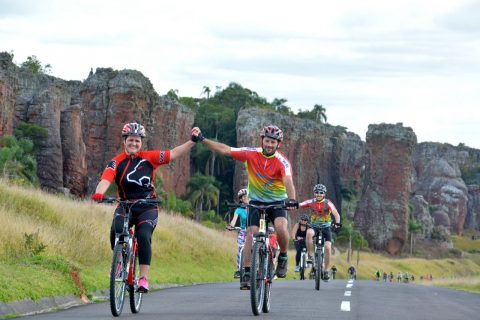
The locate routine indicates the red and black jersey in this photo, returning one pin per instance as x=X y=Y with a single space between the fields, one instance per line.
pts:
x=134 y=175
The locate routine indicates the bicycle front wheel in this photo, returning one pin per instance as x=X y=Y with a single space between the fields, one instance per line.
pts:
x=318 y=269
x=268 y=283
x=117 y=280
x=303 y=265
x=242 y=267
x=257 y=277
x=135 y=296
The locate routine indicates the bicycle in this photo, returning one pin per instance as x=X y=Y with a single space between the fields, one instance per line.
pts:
x=262 y=268
x=319 y=243
x=303 y=262
x=242 y=268
x=125 y=270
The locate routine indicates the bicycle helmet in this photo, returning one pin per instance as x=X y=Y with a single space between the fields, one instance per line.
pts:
x=305 y=217
x=273 y=132
x=271 y=230
x=319 y=188
x=133 y=129
x=242 y=192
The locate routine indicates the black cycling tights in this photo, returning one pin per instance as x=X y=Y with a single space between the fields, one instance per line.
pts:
x=299 y=245
x=144 y=237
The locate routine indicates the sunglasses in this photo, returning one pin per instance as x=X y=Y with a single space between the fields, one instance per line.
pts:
x=321 y=193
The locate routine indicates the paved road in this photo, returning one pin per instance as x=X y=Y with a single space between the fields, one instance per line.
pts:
x=337 y=299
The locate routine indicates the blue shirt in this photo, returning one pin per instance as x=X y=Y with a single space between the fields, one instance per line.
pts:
x=242 y=214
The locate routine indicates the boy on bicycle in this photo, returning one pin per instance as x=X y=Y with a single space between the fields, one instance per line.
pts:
x=322 y=209
x=270 y=181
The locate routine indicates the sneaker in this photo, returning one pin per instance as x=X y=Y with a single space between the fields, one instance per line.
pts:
x=236 y=275
x=282 y=266
x=297 y=269
x=245 y=284
x=309 y=261
x=325 y=276
x=142 y=285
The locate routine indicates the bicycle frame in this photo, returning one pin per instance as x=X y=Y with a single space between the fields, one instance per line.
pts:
x=319 y=250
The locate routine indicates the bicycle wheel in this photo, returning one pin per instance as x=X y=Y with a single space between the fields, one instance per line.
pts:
x=117 y=280
x=257 y=277
x=318 y=269
x=303 y=266
x=135 y=296
x=268 y=283
x=242 y=267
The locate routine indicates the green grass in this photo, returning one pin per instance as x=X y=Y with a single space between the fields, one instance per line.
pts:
x=66 y=235
x=465 y=243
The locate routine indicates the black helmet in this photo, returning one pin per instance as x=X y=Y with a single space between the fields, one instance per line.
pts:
x=305 y=217
x=319 y=188
x=133 y=129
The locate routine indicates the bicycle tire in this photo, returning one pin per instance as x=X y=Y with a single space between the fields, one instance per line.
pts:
x=303 y=266
x=117 y=280
x=318 y=269
x=268 y=283
x=135 y=296
x=242 y=267
x=257 y=277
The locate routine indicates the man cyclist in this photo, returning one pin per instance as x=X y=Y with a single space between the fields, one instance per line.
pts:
x=299 y=234
x=270 y=181
x=242 y=213
x=352 y=272
x=322 y=209
x=134 y=172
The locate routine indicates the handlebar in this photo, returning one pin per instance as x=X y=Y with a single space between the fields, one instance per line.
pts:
x=257 y=206
x=318 y=226
x=127 y=201
x=233 y=228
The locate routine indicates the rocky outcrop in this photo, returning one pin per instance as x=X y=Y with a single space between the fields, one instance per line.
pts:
x=421 y=213
x=439 y=180
x=382 y=213
x=84 y=121
x=472 y=221
x=318 y=153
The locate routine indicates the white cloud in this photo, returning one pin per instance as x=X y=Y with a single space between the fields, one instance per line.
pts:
x=373 y=61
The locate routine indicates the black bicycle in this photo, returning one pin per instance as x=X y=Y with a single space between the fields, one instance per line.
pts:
x=262 y=268
x=125 y=270
x=303 y=262
x=319 y=243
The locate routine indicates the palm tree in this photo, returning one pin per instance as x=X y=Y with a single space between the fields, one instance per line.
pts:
x=206 y=90
x=202 y=191
x=320 y=113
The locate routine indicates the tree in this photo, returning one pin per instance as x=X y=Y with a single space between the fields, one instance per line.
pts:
x=281 y=107
x=202 y=192
x=173 y=93
x=17 y=161
x=413 y=228
x=35 y=66
x=206 y=91
x=320 y=113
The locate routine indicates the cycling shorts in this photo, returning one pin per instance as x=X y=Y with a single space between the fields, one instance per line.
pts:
x=327 y=234
x=272 y=214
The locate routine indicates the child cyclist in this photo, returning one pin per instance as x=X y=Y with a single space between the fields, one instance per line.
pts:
x=242 y=213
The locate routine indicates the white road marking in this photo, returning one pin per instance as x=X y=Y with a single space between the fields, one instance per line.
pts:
x=350 y=281
x=345 y=306
x=349 y=285
x=348 y=293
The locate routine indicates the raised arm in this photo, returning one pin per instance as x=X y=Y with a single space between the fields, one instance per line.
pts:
x=215 y=146
x=181 y=150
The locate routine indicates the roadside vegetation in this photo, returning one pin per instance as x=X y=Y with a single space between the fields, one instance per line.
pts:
x=48 y=240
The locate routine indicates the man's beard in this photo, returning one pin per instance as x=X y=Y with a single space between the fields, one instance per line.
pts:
x=269 y=153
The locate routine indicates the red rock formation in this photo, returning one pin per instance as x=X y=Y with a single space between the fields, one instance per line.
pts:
x=382 y=213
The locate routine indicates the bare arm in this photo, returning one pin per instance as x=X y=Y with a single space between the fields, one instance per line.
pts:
x=215 y=146
x=234 y=220
x=181 y=150
x=288 y=181
x=102 y=186
x=294 y=231
x=336 y=215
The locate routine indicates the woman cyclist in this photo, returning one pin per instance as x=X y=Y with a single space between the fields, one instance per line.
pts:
x=242 y=213
x=299 y=234
x=133 y=171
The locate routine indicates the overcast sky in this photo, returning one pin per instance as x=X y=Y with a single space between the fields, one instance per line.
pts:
x=371 y=61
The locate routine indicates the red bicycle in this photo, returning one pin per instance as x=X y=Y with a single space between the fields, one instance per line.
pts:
x=125 y=271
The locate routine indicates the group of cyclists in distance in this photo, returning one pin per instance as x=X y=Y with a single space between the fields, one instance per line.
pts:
x=270 y=181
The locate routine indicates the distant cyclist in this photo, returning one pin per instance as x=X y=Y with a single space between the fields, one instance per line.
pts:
x=322 y=209
x=299 y=235
x=270 y=181
x=352 y=272
x=273 y=243
x=134 y=171
x=242 y=213
x=334 y=271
